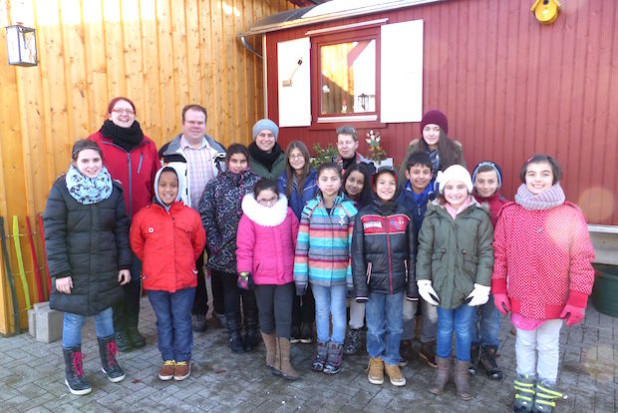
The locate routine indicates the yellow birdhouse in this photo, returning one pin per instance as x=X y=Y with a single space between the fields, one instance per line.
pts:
x=546 y=11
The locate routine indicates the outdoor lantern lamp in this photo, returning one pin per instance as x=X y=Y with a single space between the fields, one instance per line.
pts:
x=21 y=44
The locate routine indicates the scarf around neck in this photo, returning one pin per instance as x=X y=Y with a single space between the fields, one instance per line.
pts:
x=265 y=158
x=550 y=198
x=86 y=190
x=127 y=138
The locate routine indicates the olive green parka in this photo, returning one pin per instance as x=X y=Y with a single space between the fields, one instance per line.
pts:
x=455 y=254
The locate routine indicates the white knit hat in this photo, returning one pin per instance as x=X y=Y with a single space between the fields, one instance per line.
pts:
x=454 y=173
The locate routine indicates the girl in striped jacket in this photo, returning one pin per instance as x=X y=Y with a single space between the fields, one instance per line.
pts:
x=323 y=259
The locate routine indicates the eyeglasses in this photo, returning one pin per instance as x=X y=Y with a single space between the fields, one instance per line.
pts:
x=268 y=202
x=121 y=111
x=296 y=156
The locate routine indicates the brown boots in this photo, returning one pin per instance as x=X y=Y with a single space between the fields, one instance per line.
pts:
x=441 y=377
x=270 y=342
x=461 y=378
x=283 y=367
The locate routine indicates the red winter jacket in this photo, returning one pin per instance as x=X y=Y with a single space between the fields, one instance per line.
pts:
x=494 y=202
x=136 y=170
x=542 y=259
x=168 y=244
x=266 y=241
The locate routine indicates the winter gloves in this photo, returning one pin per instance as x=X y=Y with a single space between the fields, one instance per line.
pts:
x=479 y=295
x=572 y=314
x=427 y=292
x=244 y=280
x=502 y=303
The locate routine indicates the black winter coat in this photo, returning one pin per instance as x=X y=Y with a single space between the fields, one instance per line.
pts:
x=384 y=250
x=90 y=243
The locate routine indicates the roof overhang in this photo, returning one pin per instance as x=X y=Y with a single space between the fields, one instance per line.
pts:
x=332 y=10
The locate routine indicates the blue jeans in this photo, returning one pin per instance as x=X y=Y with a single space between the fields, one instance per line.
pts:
x=72 y=327
x=384 y=315
x=330 y=301
x=490 y=324
x=457 y=320
x=173 y=311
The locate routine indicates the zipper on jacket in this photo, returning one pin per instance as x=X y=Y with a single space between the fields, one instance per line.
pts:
x=130 y=186
x=141 y=158
x=388 y=247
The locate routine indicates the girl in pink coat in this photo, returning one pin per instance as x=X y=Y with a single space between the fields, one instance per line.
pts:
x=542 y=276
x=265 y=243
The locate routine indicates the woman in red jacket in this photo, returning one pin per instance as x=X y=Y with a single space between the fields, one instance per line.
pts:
x=131 y=158
x=266 y=242
x=542 y=275
x=168 y=237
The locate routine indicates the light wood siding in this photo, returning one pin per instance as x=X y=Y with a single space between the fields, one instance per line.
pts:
x=162 y=54
x=510 y=87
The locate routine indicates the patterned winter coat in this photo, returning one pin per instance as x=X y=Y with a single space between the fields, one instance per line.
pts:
x=323 y=245
x=542 y=259
x=220 y=209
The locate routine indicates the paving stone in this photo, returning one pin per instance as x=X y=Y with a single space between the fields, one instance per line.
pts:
x=33 y=378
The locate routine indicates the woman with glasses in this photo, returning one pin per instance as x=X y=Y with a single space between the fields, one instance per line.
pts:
x=299 y=184
x=131 y=158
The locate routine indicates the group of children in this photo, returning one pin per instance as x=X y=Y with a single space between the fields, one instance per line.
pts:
x=428 y=241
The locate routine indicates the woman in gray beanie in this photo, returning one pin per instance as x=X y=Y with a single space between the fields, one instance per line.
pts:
x=266 y=158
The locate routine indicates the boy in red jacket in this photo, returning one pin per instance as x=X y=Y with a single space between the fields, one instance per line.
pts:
x=487 y=180
x=167 y=236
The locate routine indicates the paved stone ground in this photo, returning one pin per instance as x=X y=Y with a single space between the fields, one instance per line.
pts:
x=31 y=378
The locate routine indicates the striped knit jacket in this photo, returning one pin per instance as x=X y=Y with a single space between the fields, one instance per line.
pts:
x=323 y=245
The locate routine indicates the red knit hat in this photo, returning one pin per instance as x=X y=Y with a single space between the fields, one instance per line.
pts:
x=435 y=117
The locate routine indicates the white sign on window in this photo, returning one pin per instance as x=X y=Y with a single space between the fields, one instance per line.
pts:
x=294 y=82
x=402 y=72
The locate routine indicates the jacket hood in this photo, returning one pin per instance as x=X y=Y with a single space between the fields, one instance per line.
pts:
x=264 y=216
x=435 y=206
x=181 y=183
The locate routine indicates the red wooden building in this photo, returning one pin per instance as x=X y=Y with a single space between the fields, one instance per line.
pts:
x=509 y=85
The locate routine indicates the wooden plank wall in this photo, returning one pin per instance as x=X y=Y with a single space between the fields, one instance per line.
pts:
x=162 y=54
x=510 y=87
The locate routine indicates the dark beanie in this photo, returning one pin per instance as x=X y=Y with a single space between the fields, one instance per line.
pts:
x=434 y=117
x=489 y=164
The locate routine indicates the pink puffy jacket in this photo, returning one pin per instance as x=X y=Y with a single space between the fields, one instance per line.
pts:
x=266 y=241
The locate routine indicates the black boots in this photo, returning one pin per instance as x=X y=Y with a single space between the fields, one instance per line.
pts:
x=75 y=379
x=474 y=359
x=354 y=341
x=123 y=342
x=487 y=361
x=108 y=351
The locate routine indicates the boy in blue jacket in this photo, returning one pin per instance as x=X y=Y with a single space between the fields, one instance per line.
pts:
x=418 y=191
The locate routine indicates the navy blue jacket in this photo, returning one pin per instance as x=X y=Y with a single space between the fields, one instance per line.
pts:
x=298 y=201
x=416 y=210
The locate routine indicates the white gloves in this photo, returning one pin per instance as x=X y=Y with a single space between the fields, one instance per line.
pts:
x=427 y=292
x=478 y=296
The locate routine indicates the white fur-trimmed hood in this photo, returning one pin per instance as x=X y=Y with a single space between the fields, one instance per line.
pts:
x=264 y=216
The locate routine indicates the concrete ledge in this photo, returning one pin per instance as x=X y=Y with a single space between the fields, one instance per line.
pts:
x=605 y=242
x=45 y=323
